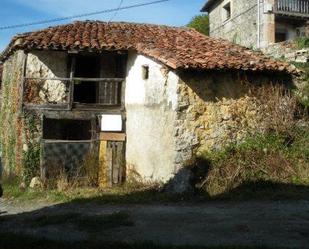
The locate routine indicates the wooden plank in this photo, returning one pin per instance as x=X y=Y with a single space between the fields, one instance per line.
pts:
x=42 y=162
x=30 y=106
x=116 y=164
x=110 y=80
x=109 y=162
x=103 y=169
x=94 y=106
x=66 y=141
x=112 y=136
x=22 y=85
x=71 y=88
x=120 y=159
x=116 y=93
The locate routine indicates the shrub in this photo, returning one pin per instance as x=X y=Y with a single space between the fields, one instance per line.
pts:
x=303 y=92
x=271 y=157
x=278 y=107
x=91 y=167
x=302 y=42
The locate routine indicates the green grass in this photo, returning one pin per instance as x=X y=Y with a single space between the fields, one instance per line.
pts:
x=125 y=194
x=302 y=42
x=15 y=241
x=270 y=166
x=12 y=190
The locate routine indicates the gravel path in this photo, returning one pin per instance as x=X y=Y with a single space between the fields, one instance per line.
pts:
x=254 y=223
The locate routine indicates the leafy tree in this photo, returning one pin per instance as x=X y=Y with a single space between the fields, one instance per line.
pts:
x=200 y=23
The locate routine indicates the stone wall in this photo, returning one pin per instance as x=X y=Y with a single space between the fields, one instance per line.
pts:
x=241 y=28
x=11 y=124
x=216 y=109
x=46 y=64
x=151 y=112
x=288 y=51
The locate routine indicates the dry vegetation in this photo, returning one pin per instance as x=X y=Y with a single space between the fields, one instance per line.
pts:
x=278 y=156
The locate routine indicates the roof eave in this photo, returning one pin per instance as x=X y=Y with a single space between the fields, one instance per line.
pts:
x=204 y=9
x=209 y=4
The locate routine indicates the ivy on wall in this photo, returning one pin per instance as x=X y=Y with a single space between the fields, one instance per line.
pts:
x=19 y=134
x=31 y=148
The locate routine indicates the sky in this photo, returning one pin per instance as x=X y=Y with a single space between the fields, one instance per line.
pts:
x=173 y=12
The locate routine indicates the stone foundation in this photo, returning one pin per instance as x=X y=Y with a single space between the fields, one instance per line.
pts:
x=287 y=51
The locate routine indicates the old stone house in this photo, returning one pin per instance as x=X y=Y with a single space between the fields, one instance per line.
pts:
x=258 y=23
x=143 y=99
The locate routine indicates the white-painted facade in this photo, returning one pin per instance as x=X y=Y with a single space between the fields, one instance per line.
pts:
x=150 y=109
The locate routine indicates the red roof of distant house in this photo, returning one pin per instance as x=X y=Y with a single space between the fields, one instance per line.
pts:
x=178 y=48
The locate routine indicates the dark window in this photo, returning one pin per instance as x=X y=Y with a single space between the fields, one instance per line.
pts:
x=145 y=72
x=227 y=11
x=66 y=129
x=99 y=92
x=281 y=36
x=86 y=91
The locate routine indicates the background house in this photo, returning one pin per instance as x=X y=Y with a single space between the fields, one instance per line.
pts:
x=258 y=23
x=126 y=98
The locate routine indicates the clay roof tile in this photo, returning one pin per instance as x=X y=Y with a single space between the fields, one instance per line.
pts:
x=176 y=47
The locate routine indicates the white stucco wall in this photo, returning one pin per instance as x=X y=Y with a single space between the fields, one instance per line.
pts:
x=150 y=108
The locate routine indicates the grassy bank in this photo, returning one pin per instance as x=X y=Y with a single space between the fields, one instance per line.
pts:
x=260 y=163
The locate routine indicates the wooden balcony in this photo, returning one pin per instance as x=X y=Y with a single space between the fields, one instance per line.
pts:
x=294 y=8
x=109 y=93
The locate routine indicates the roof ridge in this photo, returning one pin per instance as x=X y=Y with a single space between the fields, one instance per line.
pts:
x=176 y=47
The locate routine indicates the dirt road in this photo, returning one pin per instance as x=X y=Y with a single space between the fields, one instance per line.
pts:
x=254 y=223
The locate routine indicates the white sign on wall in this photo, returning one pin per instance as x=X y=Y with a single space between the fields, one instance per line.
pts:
x=110 y=122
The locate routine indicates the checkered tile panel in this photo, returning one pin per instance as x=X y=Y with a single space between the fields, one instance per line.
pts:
x=69 y=155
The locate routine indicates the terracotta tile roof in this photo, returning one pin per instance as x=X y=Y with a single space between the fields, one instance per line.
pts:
x=178 y=48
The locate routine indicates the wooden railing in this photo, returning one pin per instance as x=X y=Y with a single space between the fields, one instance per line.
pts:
x=109 y=92
x=292 y=7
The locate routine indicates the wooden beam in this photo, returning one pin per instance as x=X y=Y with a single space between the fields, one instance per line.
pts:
x=22 y=85
x=30 y=106
x=52 y=141
x=112 y=136
x=111 y=80
x=71 y=87
x=109 y=162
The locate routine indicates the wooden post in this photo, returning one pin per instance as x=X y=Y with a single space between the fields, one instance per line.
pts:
x=71 y=87
x=42 y=162
x=22 y=83
x=120 y=161
x=109 y=162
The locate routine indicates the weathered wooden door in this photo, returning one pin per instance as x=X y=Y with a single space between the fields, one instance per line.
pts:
x=112 y=159
x=115 y=161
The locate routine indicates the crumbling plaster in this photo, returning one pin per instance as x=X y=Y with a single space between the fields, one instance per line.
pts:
x=151 y=112
x=49 y=64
